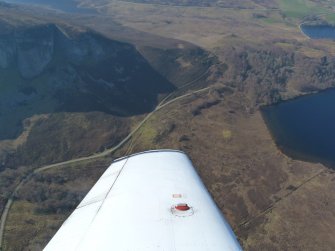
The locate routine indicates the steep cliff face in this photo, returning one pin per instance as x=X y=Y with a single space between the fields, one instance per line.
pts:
x=34 y=50
x=46 y=68
x=7 y=52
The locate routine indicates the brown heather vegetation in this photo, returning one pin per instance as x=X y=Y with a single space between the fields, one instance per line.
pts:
x=268 y=198
x=69 y=135
x=272 y=201
x=46 y=201
x=57 y=138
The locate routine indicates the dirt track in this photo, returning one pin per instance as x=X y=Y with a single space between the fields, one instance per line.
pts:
x=165 y=102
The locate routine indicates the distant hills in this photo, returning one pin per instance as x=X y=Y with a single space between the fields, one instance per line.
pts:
x=45 y=68
x=248 y=4
x=81 y=83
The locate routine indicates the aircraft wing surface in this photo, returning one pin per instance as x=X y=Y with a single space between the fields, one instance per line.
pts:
x=152 y=201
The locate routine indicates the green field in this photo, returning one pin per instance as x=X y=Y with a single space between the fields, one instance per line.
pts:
x=303 y=8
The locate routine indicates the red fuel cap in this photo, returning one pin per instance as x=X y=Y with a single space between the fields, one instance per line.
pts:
x=182 y=207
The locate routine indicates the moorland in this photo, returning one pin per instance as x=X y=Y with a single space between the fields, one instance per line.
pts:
x=207 y=65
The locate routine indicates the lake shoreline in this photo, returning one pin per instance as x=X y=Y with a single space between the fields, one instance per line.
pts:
x=299 y=96
x=294 y=155
x=317 y=31
x=311 y=31
x=280 y=134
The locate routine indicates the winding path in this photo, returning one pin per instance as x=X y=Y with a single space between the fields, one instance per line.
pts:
x=160 y=106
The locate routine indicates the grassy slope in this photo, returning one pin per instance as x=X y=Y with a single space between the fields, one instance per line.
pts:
x=299 y=9
x=295 y=8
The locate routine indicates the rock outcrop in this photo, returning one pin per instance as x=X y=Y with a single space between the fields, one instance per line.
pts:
x=46 y=68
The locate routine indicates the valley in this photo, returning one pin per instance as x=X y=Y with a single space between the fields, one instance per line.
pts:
x=139 y=75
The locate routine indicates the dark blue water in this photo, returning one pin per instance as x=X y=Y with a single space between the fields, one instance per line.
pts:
x=304 y=128
x=319 y=31
x=63 y=5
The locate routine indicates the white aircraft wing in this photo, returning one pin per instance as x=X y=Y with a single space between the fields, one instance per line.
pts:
x=151 y=201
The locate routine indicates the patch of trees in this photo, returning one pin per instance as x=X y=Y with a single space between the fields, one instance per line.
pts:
x=316 y=73
x=324 y=71
x=262 y=73
x=9 y=179
x=51 y=195
x=66 y=203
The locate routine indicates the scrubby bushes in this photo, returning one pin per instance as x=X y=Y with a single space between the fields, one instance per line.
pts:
x=51 y=194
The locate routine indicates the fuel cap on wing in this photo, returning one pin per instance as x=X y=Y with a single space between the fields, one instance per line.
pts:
x=182 y=207
x=182 y=210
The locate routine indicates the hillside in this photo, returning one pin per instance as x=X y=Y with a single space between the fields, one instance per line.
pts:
x=44 y=69
x=238 y=56
x=69 y=90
